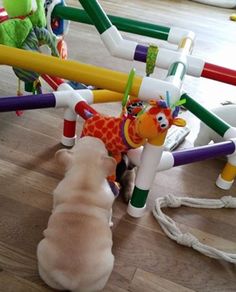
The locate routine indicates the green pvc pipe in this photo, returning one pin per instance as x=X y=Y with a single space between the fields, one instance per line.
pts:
x=139 y=197
x=123 y=24
x=97 y=15
x=208 y=117
x=177 y=69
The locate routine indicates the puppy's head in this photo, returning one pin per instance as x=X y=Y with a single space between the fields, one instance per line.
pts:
x=88 y=153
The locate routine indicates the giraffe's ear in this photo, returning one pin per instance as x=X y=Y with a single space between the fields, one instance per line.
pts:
x=179 y=122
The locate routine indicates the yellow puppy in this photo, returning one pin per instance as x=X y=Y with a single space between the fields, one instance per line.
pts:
x=76 y=252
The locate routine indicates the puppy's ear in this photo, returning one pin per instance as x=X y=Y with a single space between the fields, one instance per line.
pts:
x=109 y=164
x=64 y=157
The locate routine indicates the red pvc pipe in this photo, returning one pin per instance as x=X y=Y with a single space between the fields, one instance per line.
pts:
x=69 y=129
x=54 y=82
x=49 y=81
x=57 y=80
x=219 y=73
x=84 y=110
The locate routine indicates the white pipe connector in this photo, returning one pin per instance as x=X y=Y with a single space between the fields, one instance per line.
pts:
x=65 y=92
x=150 y=159
x=153 y=89
x=136 y=212
x=223 y=184
x=167 y=57
x=176 y=34
x=232 y=157
x=121 y=48
x=117 y=46
x=166 y=162
x=230 y=134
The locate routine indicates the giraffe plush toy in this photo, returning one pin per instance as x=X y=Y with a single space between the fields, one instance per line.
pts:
x=130 y=130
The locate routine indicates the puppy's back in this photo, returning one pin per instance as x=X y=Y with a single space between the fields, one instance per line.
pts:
x=77 y=250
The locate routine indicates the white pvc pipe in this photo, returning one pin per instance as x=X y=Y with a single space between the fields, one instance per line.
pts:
x=116 y=45
x=67 y=96
x=176 y=34
x=150 y=158
x=119 y=47
x=154 y=88
x=166 y=57
x=166 y=162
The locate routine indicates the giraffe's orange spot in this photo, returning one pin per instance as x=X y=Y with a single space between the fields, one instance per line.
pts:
x=117 y=140
x=111 y=124
x=98 y=134
x=116 y=129
x=121 y=147
x=96 y=118
x=90 y=128
x=109 y=135
x=99 y=124
x=113 y=140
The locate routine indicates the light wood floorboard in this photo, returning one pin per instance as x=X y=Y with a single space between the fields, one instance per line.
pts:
x=145 y=259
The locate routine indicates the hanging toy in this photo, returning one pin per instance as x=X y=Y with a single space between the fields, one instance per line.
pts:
x=57 y=26
x=24 y=29
x=128 y=131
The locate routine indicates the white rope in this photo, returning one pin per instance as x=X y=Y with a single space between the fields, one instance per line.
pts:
x=172 y=231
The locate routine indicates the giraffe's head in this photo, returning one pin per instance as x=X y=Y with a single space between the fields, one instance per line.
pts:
x=154 y=123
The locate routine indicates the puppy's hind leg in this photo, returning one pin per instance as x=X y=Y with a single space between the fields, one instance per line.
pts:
x=48 y=280
x=44 y=254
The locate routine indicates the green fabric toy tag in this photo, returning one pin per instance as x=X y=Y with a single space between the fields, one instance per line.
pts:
x=151 y=59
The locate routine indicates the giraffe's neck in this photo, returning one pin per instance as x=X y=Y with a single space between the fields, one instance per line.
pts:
x=131 y=135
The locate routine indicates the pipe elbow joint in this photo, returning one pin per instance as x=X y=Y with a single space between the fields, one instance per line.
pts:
x=117 y=46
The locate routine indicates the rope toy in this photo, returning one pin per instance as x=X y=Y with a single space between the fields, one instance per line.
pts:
x=170 y=228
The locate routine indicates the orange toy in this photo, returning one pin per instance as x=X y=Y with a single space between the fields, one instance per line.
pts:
x=129 y=131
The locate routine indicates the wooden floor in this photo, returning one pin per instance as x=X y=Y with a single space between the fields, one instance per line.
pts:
x=145 y=259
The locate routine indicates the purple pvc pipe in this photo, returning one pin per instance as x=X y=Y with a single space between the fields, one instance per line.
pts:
x=203 y=152
x=141 y=53
x=26 y=102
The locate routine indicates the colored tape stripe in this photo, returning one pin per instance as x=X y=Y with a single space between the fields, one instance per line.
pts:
x=69 y=129
x=151 y=59
x=229 y=172
x=139 y=197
